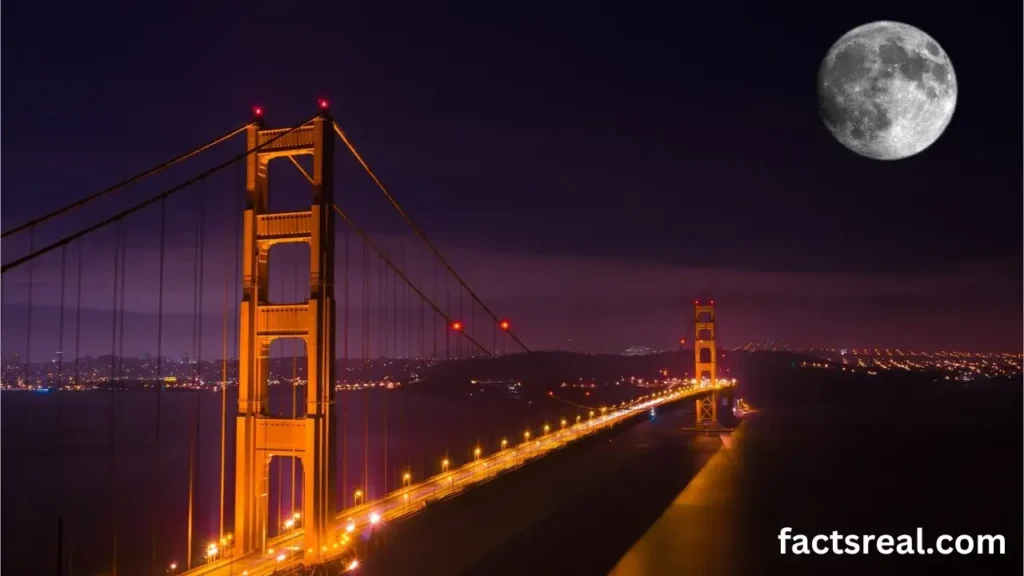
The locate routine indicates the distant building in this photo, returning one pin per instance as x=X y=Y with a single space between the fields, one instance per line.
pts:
x=638 y=351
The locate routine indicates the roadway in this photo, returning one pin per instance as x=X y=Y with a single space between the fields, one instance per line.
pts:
x=285 y=550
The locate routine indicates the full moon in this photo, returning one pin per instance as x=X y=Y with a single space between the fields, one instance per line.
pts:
x=886 y=90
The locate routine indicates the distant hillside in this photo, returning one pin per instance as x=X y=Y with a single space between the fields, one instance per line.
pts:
x=553 y=368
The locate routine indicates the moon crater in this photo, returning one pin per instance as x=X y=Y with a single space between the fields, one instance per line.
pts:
x=886 y=90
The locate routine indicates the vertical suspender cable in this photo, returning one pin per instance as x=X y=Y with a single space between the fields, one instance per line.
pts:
x=448 y=310
x=423 y=315
x=344 y=371
x=280 y=468
x=58 y=439
x=387 y=353
x=458 y=340
x=78 y=309
x=409 y=348
x=192 y=421
x=197 y=373
x=433 y=283
x=120 y=312
x=366 y=356
x=237 y=209
x=60 y=330
x=28 y=323
x=199 y=345
x=395 y=312
x=159 y=382
x=120 y=356
x=223 y=403
x=112 y=425
x=381 y=350
x=295 y=389
x=406 y=335
x=191 y=487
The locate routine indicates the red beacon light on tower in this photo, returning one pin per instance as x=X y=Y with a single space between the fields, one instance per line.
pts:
x=457 y=326
x=682 y=341
x=257 y=111
x=322 y=103
x=504 y=324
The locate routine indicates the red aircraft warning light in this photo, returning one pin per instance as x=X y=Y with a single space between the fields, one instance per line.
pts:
x=505 y=325
x=457 y=326
x=322 y=103
x=682 y=341
x=257 y=111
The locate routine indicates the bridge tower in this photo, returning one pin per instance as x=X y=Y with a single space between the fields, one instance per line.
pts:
x=260 y=435
x=705 y=361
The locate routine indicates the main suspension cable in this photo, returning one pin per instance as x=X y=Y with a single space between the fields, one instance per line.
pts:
x=419 y=232
x=165 y=194
x=380 y=254
x=132 y=180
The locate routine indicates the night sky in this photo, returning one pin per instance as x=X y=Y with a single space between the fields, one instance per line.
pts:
x=590 y=171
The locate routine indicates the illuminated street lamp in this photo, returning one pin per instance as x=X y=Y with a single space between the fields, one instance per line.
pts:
x=476 y=453
x=357 y=497
x=526 y=436
x=563 y=422
x=578 y=419
x=211 y=551
x=406 y=479
x=444 y=465
x=504 y=443
x=546 y=428
x=173 y=568
x=591 y=413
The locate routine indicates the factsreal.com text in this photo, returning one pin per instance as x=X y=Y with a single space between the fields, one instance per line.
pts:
x=885 y=544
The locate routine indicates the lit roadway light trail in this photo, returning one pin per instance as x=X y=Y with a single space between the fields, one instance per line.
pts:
x=286 y=551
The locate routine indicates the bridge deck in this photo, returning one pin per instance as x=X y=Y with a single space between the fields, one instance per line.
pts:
x=286 y=550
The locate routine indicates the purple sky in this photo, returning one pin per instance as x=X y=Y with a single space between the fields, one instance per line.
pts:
x=590 y=174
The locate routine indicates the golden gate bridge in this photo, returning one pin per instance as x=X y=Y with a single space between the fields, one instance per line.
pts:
x=196 y=265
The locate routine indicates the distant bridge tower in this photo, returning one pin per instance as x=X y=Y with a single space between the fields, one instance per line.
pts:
x=705 y=361
x=261 y=436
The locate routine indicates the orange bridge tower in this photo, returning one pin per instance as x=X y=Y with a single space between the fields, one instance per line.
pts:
x=705 y=362
x=260 y=435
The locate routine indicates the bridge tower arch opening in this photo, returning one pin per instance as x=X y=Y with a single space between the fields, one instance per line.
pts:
x=261 y=435
x=705 y=362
